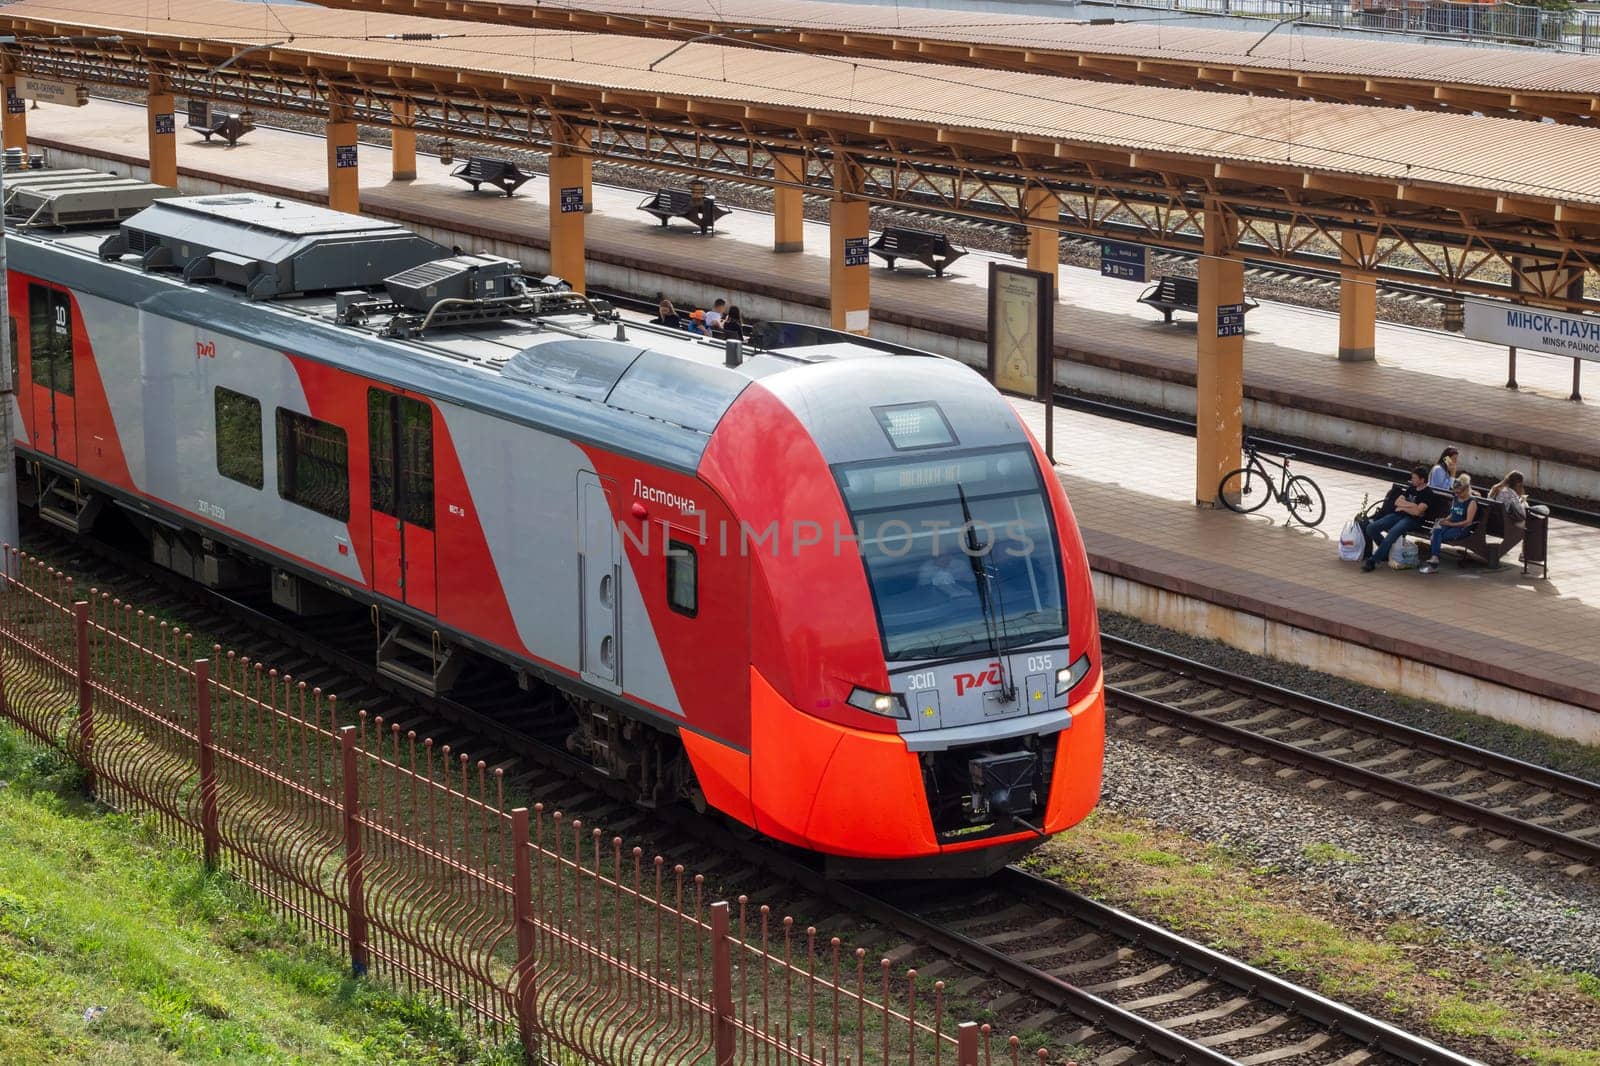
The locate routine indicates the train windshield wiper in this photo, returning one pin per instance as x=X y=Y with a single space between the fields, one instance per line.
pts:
x=980 y=574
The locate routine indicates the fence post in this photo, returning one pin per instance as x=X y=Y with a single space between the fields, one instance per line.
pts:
x=354 y=858
x=967 y=1044
x=721 y=986
x=80 y=623
x=208 y=768
x=522 y=910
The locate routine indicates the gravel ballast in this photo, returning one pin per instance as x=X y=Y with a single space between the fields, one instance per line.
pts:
x=1387 y=867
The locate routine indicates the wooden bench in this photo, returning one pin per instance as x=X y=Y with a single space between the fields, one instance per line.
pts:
x=208 y=124
x=668 y=204
x=1490 y=538
x=932 y=250
x=1172 y=293
x=502 y=174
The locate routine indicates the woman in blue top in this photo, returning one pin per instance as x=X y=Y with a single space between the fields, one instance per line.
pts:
x=1457 y=524
x=1444 y=471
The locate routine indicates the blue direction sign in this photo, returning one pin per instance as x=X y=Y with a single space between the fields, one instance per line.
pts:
x=1230 y=320
x=572 y=200
x=166 y=123
x=1125 y=261
x=855 y=252
x=344 y=155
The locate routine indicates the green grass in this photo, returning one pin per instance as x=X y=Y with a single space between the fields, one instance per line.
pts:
x=1476 y=999
x=114 y=948
x=1326 y=854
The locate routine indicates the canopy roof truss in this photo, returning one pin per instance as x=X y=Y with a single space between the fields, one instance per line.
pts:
x=1467 y=241
x=1392 y=75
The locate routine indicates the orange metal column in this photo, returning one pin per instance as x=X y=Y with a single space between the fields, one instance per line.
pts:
x=1358 y=298
x=403 y=142
x=570 y=193
x=344 y=173
x=849 y=281
x=1044 y=243
x=162 y=122
x=1219 y=362
x=788 y=202
x=14 y=120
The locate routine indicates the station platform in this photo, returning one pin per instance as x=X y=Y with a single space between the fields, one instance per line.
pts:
x=1513 y=647
x=1509 y=646
x=1426 y=388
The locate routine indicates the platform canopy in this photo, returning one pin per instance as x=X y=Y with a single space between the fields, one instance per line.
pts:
x=1506 y=82
x=1441 y=196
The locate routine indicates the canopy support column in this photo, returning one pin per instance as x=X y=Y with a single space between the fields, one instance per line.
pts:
x=403 y=141
x=1044 y=242
x=1219 y=360
x=849 y=230
x=788 y=202
x=570 y=192
x=162 y=123
x=344 y=172
x=1358 y=298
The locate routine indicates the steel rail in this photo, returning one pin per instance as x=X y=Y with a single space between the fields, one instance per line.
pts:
x=1375 y=1034
x=1498 y=822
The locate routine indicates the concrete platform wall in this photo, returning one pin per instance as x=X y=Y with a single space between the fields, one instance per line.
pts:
x=1394 y=673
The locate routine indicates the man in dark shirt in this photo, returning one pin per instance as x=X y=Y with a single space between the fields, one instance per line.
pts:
x=1409 y=508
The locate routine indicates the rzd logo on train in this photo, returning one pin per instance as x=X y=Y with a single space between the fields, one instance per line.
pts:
x=205 y=349
x=967 y=682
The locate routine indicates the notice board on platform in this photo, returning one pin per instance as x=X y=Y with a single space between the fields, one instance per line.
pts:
x=1022 y=337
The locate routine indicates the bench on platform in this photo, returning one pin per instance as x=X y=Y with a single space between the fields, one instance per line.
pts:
x=668 y=204
x=502 y=174
x=1172 y=293
x=1491 y=537
x=932 y=250
x=222 y=124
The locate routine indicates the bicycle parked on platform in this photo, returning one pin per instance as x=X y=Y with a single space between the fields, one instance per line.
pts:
x=1248 y=488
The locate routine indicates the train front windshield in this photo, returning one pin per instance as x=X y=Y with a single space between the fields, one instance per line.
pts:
x=960 y=552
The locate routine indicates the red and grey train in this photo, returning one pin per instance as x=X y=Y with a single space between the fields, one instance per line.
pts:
x=834 y=593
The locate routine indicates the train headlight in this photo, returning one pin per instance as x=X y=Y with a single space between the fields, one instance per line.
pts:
x=888 y=704
x=1068 y=676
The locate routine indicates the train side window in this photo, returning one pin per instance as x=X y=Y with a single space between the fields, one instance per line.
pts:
x=40 y=347
x=314 y=464
x=380 y=448
x=239 y=454
x=12 y=322
x=683 y=578
x=50 y=337
x=416 y=461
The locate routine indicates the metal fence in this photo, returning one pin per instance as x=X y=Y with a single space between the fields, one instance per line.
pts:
x=401 y=854
x=1571 y=30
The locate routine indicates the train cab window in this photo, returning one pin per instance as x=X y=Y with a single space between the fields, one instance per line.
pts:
x=314 y=464
x=683 y=578
x=50 y=337
x=239 y=453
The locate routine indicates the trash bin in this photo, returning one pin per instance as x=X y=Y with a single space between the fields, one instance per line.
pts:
x=1536 y=545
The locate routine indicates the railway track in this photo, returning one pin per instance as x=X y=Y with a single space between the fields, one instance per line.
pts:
x=1041 y=959
x=1500 y=799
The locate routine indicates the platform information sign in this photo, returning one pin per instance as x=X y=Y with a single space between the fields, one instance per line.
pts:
x=66 y=93
x=166 y=123
x=1230 y=320
x=1532 y=329
x=855 y=252
x=572 y=200
x=344 y=155
x=1022 y=337
x=1125 y=261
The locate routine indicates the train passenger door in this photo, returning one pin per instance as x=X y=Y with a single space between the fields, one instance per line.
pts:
x=50 y=352
x=400 y=446
x=599 y=587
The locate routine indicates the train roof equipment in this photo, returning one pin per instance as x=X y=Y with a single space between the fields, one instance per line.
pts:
x=267 y=246
x=77 y=197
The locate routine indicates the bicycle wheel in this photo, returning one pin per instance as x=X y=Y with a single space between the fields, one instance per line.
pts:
x=1245 y=489
x=1304 y=500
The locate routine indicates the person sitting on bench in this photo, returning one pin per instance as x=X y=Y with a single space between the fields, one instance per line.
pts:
x=1409 y=509
x=1454 y=526
x=667 y=315
x=1444 y=470
x=1509 y=493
